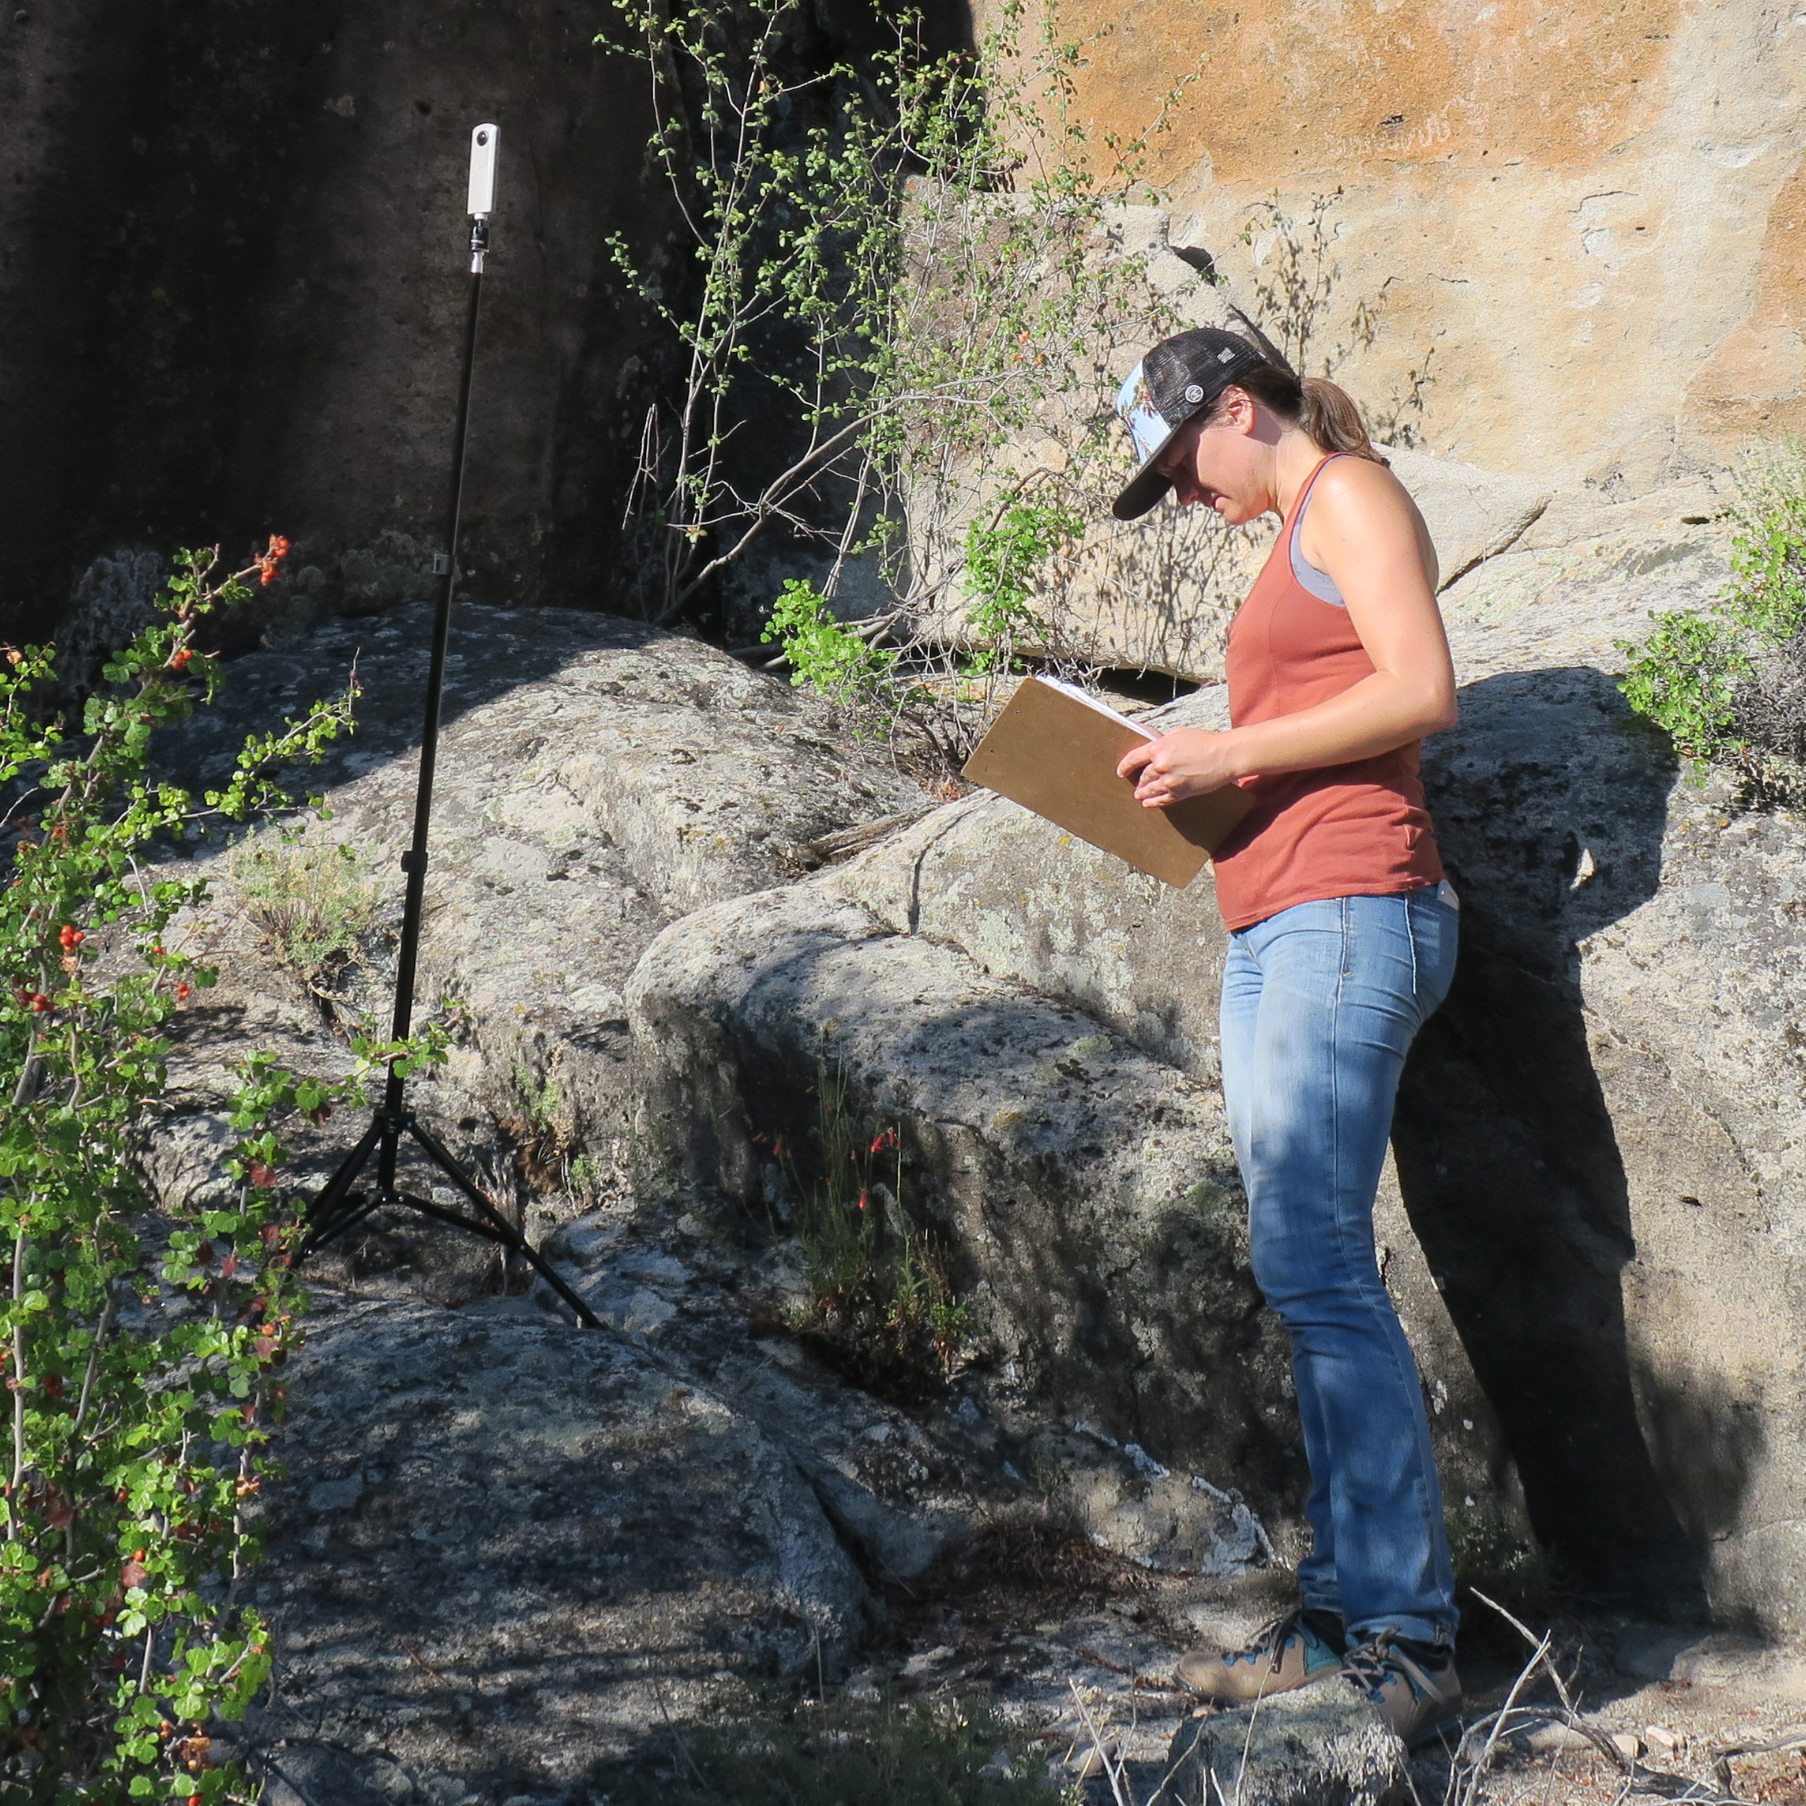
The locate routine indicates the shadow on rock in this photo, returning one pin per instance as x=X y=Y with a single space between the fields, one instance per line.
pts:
x=1550 y=806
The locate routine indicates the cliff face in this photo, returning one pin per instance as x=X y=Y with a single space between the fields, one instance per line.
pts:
x=1564 y=241
x=232 y=281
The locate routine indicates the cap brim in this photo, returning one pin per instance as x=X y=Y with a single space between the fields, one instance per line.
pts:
x=1144 y=491
x=1147 y=485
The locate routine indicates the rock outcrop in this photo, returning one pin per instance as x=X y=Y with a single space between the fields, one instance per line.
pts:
x=236 y=285
x=1085 y=1189
x=566 y=1523
x=1480 y=219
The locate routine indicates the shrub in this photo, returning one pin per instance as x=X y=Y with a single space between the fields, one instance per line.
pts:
x=827 y=656
x=142 y=1353
x=1004 y=559
x=1729 y=685
x=885 y=278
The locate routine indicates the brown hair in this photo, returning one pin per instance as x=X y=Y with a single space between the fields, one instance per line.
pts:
x=1314 y=403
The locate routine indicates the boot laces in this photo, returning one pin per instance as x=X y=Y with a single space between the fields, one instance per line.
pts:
x=1368 y=1665
x=1270 y=1640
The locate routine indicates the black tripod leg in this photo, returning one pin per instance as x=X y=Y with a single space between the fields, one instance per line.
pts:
x=349 y=1218
x=506 y=1233
x=331 y=1213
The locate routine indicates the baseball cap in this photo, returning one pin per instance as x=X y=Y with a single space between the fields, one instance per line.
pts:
x=1176 y=381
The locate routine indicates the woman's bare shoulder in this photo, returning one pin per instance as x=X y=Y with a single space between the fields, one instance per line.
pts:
x=1362 y=498
x=1361 y=482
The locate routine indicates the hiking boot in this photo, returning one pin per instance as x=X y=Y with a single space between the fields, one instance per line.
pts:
x=1290 y=1652
x=1413 y=1686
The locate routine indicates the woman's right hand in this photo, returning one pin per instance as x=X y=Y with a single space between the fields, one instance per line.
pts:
x=1190 y=761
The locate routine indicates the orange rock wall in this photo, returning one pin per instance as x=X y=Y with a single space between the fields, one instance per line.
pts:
x=1565 y=240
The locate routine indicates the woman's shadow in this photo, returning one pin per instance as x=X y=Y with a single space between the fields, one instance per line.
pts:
x=1550 y=804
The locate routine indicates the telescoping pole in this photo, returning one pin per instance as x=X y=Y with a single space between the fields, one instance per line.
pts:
x=484 y=142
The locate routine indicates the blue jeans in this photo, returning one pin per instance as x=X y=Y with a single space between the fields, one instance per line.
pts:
x=1320 y=1004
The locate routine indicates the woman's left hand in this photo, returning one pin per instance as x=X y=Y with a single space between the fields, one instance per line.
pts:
x=1187 y=762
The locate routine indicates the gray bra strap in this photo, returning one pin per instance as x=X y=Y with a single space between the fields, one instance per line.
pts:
x=1315 y=582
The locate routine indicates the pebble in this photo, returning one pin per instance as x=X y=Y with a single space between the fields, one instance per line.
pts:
x=1549 y=1738
x=1090 y=1762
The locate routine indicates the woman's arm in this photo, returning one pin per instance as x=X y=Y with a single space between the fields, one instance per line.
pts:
x=1365 y=531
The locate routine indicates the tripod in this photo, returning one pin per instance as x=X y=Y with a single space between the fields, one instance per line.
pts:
x=340 y=1206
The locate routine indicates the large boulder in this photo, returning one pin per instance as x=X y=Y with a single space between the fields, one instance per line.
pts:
x=597 y=779
x=1598 y=1139
x=1083 y=1188
x=505 y=1550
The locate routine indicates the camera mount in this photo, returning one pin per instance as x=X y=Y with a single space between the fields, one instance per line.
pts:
x=341 y=1205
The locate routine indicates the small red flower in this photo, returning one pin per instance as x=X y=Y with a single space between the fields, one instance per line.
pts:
x=884 y=1142
x=179 y=659
x=182 y=991
x=778 y=1149
x=262 y=1176
x=863 y=1200
x=71 y=938
x=278 y=550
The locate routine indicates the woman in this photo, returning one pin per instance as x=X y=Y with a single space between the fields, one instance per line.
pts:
x=1342 y=941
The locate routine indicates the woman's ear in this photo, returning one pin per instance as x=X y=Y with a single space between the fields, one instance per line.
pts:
x=1237 y=410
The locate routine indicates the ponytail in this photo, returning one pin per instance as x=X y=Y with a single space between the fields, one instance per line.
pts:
x=1316 y=404
x=1330 y=417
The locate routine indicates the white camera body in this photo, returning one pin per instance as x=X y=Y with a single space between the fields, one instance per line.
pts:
x=484 y=142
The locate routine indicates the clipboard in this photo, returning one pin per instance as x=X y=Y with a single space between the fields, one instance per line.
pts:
x=1055 y=750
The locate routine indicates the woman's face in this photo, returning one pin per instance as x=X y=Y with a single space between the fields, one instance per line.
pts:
x=1218 y=461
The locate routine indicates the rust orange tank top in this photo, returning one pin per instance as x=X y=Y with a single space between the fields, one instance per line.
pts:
x=1355 y=830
